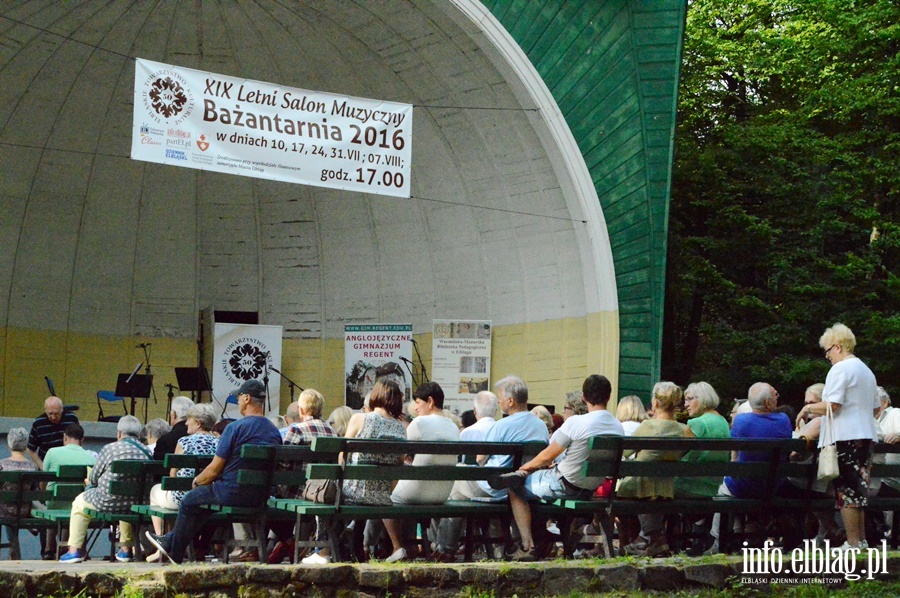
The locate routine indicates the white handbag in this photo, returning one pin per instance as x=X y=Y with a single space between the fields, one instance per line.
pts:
x=828 y=461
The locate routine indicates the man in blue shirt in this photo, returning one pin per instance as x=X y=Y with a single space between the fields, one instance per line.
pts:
x=217 y=484
x=519 y=425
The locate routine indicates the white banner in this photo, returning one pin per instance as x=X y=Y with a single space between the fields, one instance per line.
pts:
x=461 y=360
x=242 y=352
x=373 y=352
x=184 y=117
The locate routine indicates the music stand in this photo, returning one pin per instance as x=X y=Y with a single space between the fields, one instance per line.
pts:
x=136 y=386
x=193 y=380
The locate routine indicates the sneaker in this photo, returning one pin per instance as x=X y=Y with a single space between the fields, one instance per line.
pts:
x=123 y=556
x=714 y=549
x=862 y=545
x=524 y=556
x=160 y=543
x=72 y=557
x=316 y=559
x=512 y=480
x=636 y=548
x=398 y=555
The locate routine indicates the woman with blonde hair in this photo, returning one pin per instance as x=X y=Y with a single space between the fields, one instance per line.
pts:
x=631 y=413
x=339 y=419
x=852 y=393
x=665 y=399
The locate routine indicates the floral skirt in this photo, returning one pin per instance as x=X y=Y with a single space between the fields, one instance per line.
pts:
x=851 y=487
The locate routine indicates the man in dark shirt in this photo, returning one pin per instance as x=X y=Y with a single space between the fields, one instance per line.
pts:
x=217 y=484
x=166 y=443
x=47 y=429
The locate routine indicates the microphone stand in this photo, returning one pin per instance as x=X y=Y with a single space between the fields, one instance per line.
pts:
x=421 y=363
x=290 y=382
x=266 y=381
x=146 y=348
x=412 y=373
x=171 y=394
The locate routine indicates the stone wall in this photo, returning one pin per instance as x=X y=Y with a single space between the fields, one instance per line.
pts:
x=27 y=579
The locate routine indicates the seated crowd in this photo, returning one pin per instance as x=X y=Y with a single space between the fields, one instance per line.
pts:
x=554 y=473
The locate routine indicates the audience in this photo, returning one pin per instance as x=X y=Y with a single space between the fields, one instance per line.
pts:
x=554 y=473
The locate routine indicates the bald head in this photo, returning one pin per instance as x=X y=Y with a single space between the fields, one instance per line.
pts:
x=53 y=408
x=763 y=398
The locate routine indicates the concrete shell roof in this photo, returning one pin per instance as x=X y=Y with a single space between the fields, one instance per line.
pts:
x=93 y=242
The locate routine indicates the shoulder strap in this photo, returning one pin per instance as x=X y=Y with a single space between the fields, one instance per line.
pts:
x=139 y=446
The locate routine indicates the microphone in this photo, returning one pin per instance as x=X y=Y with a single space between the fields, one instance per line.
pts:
x=276 y=370
x=143 y=345
x=406 y=360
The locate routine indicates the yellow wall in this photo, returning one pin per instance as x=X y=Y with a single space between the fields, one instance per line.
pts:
x=553 y=358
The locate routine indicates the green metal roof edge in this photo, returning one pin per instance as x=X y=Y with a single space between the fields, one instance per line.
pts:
x=613 y=68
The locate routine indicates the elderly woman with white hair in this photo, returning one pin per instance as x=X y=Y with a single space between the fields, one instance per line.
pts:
x=17 y=439
x=852 y=393
x=200 y=441
x=700 y=401
x=96 y=495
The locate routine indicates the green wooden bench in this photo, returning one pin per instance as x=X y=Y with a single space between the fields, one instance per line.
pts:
x=21 y=488
x=172 y=483
x=258 y=473
x=25 y=488
x=472 y=511
x=605 y=460
x=64 y=487
x=136 y=478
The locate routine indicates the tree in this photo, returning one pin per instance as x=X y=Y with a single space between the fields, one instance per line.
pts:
x=784 y=197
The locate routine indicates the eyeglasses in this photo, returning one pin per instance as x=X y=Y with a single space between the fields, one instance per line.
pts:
x=568 y=408
x=828 y=350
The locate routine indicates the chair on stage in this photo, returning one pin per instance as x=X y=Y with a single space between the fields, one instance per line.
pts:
x=231 y=400
x=109 y=397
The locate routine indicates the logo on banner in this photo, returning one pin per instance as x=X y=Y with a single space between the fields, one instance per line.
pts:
x=202 y=143
x=167 y=96
x=245 y=359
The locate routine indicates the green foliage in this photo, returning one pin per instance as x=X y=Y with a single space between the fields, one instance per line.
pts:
x=784 y=215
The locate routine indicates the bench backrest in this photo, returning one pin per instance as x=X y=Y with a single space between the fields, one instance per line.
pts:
x=135 y=478
x=334 y=446
x=606 y=459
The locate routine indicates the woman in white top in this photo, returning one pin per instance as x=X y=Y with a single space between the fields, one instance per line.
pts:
x=852 y=392
x=631 y=413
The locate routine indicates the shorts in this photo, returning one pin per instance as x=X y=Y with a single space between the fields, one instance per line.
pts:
x=851 y=487
x=546 y=484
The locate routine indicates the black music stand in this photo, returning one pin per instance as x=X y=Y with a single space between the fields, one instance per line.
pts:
x=136 y=386
x=193 y=380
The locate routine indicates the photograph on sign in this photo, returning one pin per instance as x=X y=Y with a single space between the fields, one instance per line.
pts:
x=195 y=119
x=374 y=352
x=461 y=360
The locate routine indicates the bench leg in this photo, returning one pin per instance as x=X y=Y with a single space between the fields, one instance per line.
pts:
x=607 y=529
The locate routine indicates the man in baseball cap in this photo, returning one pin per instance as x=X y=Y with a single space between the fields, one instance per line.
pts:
x=217 y=484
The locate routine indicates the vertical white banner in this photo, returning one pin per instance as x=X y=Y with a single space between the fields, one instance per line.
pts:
x=373 y=352
x=461 y=360
x=243 y=352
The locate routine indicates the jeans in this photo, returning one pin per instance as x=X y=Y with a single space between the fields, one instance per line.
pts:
x=191 y=517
